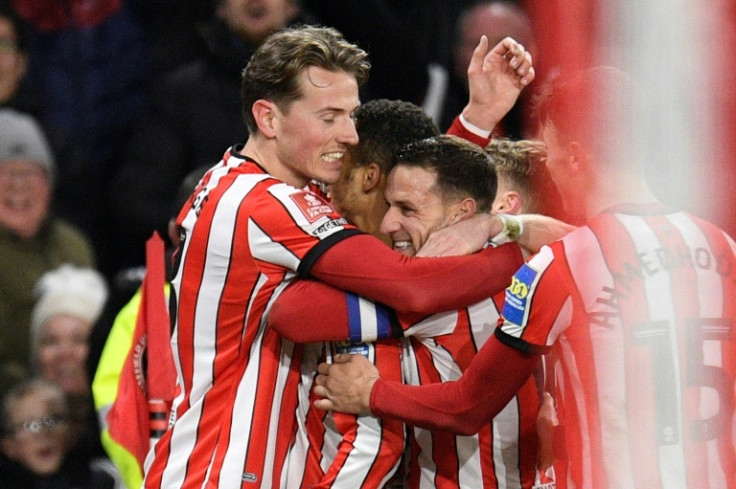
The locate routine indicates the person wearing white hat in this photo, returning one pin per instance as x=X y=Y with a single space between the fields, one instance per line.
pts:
x=70 y=300
x=32 y=241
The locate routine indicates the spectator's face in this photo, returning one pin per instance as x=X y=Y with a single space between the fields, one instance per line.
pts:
x=254 y=20
x=416 y=208
x=314 y=132
x=25 y=196
x=38 y=435
x=12 y=62
x=63 y=346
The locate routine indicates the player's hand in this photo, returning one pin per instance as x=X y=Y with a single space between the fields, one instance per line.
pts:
x=462 y=238
x=346 y=384
x=546 y=423
x=495 y=80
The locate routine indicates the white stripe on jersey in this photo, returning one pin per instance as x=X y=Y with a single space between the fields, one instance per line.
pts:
x=710 y=305
x=368 y=320
x=435 y=325
x=484 y=324
x=588 y=268
x=658 y=290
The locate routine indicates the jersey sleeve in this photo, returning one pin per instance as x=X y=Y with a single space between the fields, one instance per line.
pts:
x=332 y=315
x=458 y=129
x=367 y=267
x=285 y=224
x=533 y=325
x=494 y=375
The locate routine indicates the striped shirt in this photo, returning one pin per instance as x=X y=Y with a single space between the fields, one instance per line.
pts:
x=640 y=307
x=245 y=236
x=503 y=454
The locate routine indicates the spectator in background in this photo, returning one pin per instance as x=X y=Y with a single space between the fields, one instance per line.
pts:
x=87 y=60
x=32 y=240
x=193 y=115
x=13 y=59
x=70 y=300
x=36 y=441
x=496 y=20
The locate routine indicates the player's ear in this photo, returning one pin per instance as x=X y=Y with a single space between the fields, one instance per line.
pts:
x=508 y=203
x=463 y=210
x=578 y=156
x=265 y=112
x=371 y=177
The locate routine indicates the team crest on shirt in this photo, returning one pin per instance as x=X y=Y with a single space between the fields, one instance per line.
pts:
x=312 y=206
x=517 y=294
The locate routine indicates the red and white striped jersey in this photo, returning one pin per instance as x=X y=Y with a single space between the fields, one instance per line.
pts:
x=337 y=450
x=503 y=454
x=640 y=306
x=246 y=234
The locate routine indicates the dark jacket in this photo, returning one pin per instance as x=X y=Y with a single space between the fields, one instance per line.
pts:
x=74 y=474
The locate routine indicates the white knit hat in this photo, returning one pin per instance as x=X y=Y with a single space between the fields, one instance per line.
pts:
x=70 y=290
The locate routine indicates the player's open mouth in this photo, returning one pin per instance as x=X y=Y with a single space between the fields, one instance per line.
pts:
x=402 y=245
x=332 y=157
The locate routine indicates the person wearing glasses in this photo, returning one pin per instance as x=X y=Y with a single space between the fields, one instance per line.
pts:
x=35 y=443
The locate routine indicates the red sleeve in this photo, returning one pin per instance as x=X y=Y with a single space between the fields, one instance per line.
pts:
x=365 y=266
x=308 y=311
x=458 y=129
x=496 y=373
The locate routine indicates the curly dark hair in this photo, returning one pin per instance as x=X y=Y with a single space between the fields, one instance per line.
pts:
x=385 y=126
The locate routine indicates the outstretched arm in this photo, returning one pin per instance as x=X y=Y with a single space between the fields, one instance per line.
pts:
x=497 y=372
x=361 y=264
x=531 y=231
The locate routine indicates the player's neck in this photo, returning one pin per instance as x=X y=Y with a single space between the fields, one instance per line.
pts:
x=264 y=152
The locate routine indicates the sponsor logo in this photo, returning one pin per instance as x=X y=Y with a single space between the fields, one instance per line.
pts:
x=312 y=206
x=518 y=288
x=353 y=348
x=249 y=477
x=517 y=294
x=331 y=224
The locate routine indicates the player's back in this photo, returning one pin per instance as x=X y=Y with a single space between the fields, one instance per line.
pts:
x=650 y=354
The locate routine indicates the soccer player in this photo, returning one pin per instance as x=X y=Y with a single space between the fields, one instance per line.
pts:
x=639 y=304
x=435 y=182
x=252 y=226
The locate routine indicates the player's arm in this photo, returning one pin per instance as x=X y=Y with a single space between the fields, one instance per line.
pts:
x=497 y=372
x=495 y=79
x=308 y=311
x=363 y=265
x=531 y=231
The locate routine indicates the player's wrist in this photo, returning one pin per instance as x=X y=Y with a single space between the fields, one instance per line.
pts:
x=511 y=229
x=476 y=120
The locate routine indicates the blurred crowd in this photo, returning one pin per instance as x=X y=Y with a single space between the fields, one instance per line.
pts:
x=106 y=106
